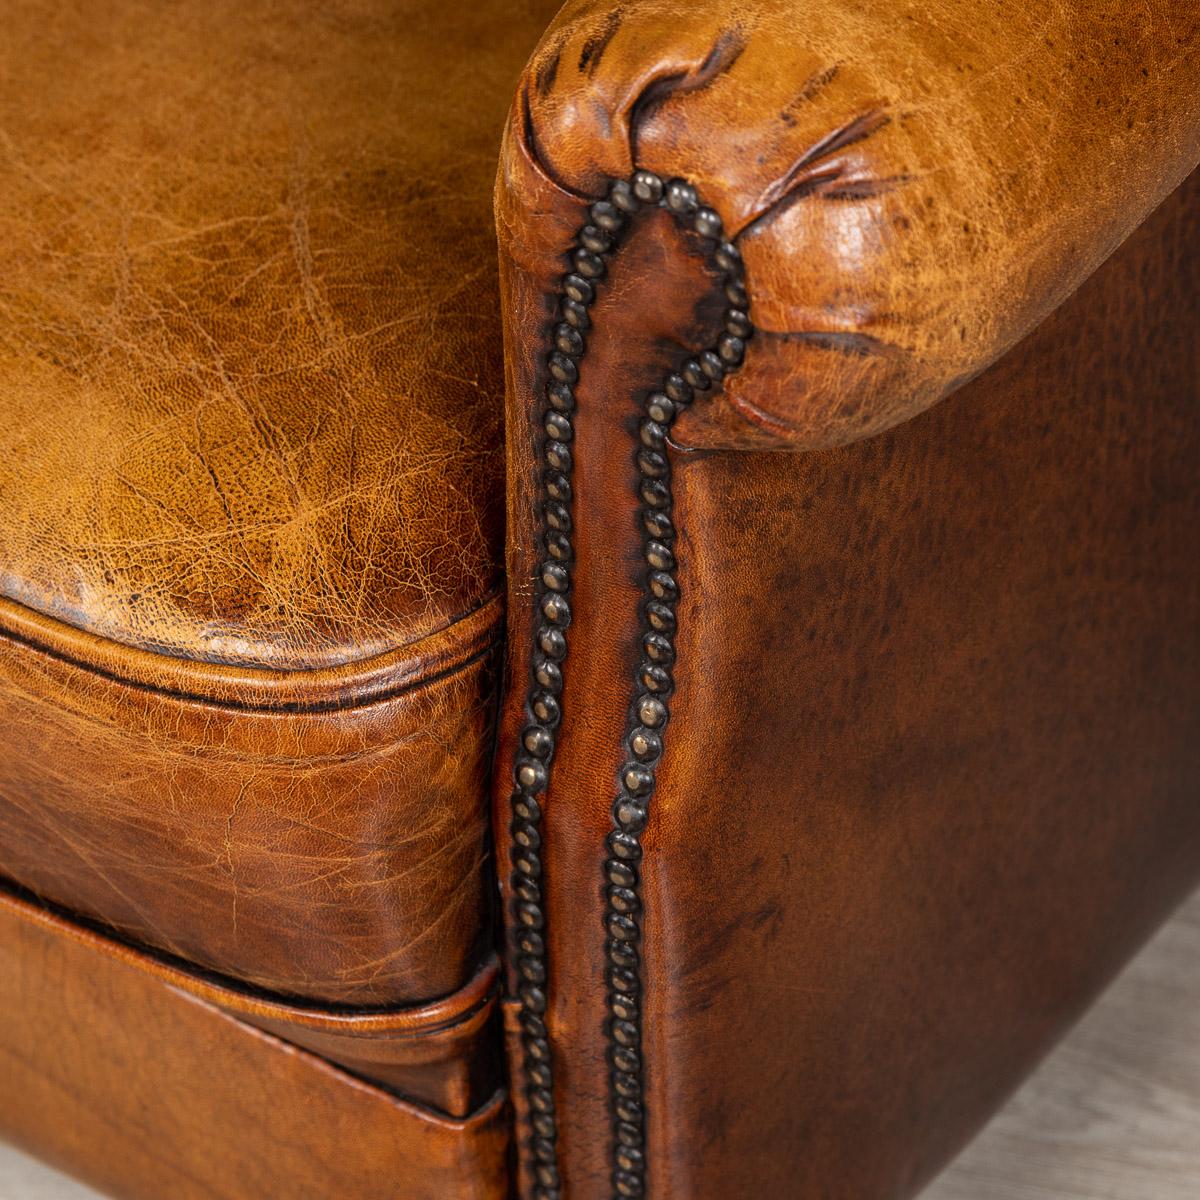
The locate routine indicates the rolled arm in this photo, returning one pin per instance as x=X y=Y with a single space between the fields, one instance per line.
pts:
x=913 y=187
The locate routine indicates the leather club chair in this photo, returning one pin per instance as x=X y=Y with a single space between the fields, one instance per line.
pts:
x=720 y=769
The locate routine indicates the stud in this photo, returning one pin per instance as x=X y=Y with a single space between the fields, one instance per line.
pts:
x=647 y=187
x=607 y=216
x=556 y=578
x=561 y=397
x=660 y=616
x=678 y=389
x=626 y=1059
x=625 y=1033
x=652 y=712
x=621 y=928
x=629 y=814
x=623 y=980
x=637 y=780
x=558 y=486
x=563 y=368
x=728 y=257
x=622 y=195
x=558 y=516
x=558 y=427
x=712 y=366
x=568 y=340
x=531 y=942
x=621 y=874
x=659 y=556
x=549 y=675
x=555 y=608
x=663 y=586
x=693 y=372
x=653 y=434
x=527 y=836
x=656 y=679
x=657 y=524
x=731 y=350
x=575 y=314
x=595 y=239
x=553 y=643
x=655 y=493
x=681 y=197
x=738 y=323
x=531 y=776
x=587 y=264
x=527 y=809
x=660 y=408
x=578 y=289
x=558 y=547
x=645 y=744
x=707 y=223
x=624 y=846
x=531 y=916
x=538 y=741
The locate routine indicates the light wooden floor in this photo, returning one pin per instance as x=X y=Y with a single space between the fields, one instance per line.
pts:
x=1114 y=1113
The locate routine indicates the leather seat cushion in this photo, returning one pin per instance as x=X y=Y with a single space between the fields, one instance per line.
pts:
x=251 y=477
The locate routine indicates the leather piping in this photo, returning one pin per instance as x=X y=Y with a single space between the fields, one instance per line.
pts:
x=452 y=648
x=423 y=1020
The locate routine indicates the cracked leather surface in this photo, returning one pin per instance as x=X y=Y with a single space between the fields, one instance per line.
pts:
x=251 y=480
x=250 y=354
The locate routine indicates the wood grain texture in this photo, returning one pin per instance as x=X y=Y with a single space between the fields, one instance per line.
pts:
x=1111 y=1115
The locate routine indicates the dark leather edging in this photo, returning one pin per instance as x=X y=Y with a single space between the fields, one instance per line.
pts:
x=433 y=657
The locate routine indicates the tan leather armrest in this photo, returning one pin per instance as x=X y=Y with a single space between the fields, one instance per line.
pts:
x=913 y=186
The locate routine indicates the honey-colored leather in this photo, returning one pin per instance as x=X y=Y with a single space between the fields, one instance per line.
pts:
x=931 y=766
x=249 y=347
x=148 y=1093
x=250 y=480
x=913 y=185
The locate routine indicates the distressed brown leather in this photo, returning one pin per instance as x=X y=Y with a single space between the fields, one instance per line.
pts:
x=913 y=185
x=250 y=480
x=931 y=766
x=336 y=853
x=934 y=746
x=442 y=1055
x=249 y=351
x=147 y=1092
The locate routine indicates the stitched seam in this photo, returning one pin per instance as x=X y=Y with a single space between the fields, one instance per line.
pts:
x=653 y=684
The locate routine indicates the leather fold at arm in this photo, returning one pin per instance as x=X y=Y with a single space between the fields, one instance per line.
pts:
x=913 y=187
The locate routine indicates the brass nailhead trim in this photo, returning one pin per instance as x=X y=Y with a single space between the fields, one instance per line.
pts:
x=649 y=710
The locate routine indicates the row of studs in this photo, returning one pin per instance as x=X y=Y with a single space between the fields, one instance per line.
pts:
x=595 y=242
x=654 y=682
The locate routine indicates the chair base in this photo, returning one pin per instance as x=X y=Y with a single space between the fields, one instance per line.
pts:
x=143 y=1091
